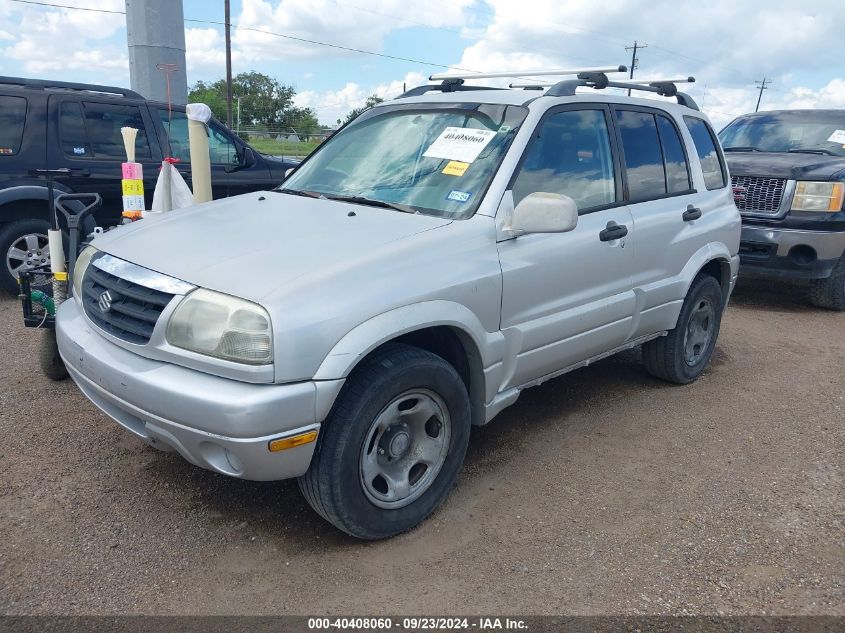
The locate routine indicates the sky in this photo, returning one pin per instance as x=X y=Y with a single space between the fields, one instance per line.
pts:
x=727 y=45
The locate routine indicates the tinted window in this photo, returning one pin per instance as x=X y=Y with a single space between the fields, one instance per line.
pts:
x=72 y=134
x=677 y=170
x=103 y=122
x=221 y=148
x=705 y=146
x=176 y=129
x=12 y=119
x=570 y=155
x=643 y=158
x=795 y=131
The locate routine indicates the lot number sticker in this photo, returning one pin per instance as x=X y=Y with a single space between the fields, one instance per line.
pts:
x=459 y=144
x=837 y=137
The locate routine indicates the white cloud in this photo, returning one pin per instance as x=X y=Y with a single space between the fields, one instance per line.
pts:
x=50 y=42
x=336 y=104
x=350 y=24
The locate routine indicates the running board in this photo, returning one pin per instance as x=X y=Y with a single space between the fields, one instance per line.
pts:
x=506 y=398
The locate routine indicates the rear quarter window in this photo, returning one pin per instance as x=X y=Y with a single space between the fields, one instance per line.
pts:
x=705 y=147
x=12 y=121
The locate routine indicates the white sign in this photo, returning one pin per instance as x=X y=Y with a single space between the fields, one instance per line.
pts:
x=459 y=143
x=837 y=137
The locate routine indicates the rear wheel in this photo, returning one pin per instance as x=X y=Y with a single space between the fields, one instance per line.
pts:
x=23 y=247
x=830 y=293
x=682 y=355
x=392 y=447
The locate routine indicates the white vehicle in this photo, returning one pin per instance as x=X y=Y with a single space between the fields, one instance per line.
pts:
x=435 y=257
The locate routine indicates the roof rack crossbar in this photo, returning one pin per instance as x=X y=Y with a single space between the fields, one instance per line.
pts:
x=45 y=84
x=447 y=85
x=529 y=73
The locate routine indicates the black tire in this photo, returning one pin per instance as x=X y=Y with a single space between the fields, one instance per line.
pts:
x=10 y=234
x=51 y=363
x=334 y=484
x=830 y=293
x=668 y=357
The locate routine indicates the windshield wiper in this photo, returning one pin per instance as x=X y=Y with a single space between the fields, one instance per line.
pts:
x=747 y=148
x=370 y=202
x=806 y=150
x=298 y=192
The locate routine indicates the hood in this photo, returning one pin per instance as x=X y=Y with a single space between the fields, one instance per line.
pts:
x=250 y=245
x=793 y=166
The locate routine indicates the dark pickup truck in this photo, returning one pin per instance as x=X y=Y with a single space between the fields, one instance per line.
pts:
x=788 y=175
x=76 y=127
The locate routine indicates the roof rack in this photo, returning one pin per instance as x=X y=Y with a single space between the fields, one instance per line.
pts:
x=45 y=84
x=456 y=82
x=599 y=81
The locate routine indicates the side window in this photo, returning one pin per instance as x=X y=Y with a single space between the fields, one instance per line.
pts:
x=72 y=136
x=674 y=158
x=643 y=157
x=104 y=121
x=705 y=146
x=12 y=121
x=220 y=146
x=570 y=154
x=175 y=126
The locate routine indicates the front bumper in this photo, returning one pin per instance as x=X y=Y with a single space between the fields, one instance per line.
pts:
x=220 y=424
x=789 y=253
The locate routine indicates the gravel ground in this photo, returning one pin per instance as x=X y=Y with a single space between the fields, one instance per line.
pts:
x=601 y=492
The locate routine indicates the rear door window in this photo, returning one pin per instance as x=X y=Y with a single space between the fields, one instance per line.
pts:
x=12 y=120
x=643 y=155
x=705 y=146
x=103 y=122
x=674 y=157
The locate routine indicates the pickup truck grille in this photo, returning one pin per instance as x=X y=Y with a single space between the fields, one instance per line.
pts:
x=758 y=195
x=124 y=309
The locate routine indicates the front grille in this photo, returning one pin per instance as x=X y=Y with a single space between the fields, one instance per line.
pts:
x=756 y=194
x=129 y=311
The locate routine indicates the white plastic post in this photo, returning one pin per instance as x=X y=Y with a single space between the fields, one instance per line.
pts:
x=198 y=116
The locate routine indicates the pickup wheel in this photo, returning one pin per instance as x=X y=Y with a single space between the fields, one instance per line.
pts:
x=830 y=293
x=23 y=246
x=682 y=355
x=391 y=449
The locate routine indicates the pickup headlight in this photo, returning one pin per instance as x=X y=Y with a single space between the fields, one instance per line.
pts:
x=222 y=326
x=82 y=263
x=818 y=196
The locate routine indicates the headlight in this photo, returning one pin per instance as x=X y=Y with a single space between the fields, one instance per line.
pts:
x=79 y=269
x=221 y=326
x=818 y=196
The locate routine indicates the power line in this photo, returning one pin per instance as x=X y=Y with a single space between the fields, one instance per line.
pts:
x=763 y=87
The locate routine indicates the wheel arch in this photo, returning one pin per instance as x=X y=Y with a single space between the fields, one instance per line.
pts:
x=446 y=329
x=25 y=202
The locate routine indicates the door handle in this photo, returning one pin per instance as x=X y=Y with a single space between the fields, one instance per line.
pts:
x=692 y=213
x=613 y=231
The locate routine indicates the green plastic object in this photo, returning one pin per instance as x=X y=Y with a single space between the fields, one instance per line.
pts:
x=45 y=300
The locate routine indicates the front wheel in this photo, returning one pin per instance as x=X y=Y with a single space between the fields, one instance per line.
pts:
x=682 y=355
x=392 y=447
x=830 y=293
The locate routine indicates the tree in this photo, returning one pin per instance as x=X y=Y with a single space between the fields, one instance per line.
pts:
x=264 y=102
x=371 y=101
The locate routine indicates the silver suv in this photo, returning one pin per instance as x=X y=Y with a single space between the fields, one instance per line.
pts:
x=438 y=255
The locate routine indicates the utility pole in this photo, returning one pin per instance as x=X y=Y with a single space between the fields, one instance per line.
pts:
x=634 y=60
x=228 y=66
x=155 y=34
x=763 y=87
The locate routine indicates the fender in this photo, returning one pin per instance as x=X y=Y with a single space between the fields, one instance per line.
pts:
x=367 y=336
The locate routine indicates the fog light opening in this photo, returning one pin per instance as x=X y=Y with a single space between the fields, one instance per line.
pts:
x=803 y=255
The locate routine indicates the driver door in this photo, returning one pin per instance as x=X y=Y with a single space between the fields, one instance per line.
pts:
x=568 y=297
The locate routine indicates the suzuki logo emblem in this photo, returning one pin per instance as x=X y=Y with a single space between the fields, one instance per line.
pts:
x=105 y=301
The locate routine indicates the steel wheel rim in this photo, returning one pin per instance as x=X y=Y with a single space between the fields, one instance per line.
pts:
x=699 y=331
x=27 y=253
x=405 y=448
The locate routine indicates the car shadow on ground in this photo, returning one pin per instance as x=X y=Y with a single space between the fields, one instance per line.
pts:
x=763 y=294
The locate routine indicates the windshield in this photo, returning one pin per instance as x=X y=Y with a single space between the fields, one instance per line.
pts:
x=803 y=131
x=434 y=159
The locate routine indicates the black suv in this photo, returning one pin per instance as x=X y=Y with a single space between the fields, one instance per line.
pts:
x=59 y=125
x=788 y=175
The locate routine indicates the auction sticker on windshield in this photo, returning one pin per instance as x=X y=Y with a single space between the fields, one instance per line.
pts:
x=837 y=137
x=460 y=144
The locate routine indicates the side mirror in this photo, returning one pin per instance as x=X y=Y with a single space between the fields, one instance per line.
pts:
x=246 y=159
x=543 y=212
